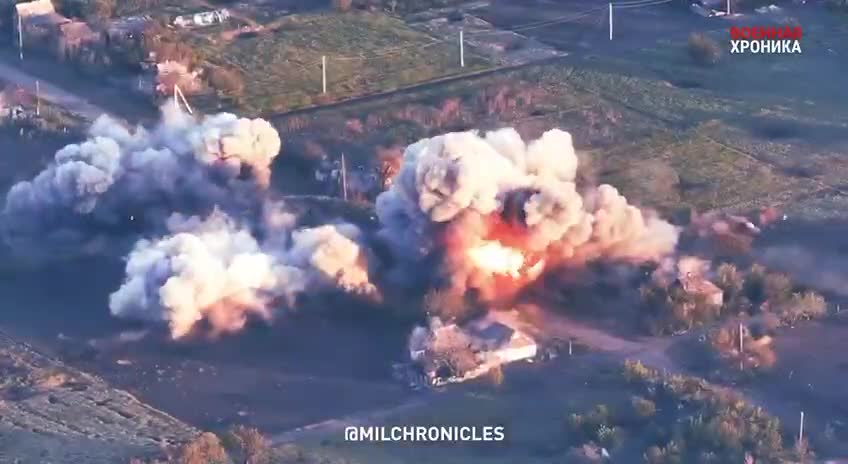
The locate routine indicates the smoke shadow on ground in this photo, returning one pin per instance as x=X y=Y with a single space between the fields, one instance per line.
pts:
x=601 y=297
x=812 y=252
x=778 y=129
x=305 y=368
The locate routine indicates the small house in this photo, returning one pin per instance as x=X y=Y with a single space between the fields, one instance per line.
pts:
x=450 y=353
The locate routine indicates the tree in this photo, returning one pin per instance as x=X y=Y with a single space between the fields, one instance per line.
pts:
x=247 y=445
x=342 y=5
x=100 y=9
x=227 y=81
x=777 y=287
x=387 y=167
x=204 y=449
x=704 y=50
x=730 y=281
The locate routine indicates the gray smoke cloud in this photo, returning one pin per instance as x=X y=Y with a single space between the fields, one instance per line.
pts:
x=220 y=252
x=214 y=270
x=120 y=179
x=460 y=190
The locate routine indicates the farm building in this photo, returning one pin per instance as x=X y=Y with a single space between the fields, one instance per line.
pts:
x=39 y=26
x=36 y=21
x=449 y=353
x=207 y=18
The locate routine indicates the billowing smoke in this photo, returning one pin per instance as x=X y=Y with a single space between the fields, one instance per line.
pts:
x=214 y=270
x=222 y=251
x=493 y=204
x=469 y=209
x=119 y=179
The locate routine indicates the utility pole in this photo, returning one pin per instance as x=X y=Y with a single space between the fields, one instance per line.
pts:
x=176 y=99
x=344 y=178
x=741 y=348
x=610 y=20
x=728 y=7
x=461 y=48
x=324 y=74
x=185 y=102
x=37 y=98
x=20 y=38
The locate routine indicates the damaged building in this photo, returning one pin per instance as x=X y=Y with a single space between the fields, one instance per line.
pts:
x=446 y=353
x=38 y=26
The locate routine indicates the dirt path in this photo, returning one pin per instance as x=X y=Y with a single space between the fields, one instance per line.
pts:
x=52 y=93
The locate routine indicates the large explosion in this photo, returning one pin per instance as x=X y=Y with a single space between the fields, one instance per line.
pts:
x=470 y=212
x=495 y=206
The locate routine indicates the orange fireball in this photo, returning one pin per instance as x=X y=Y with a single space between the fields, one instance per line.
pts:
x=496 y=258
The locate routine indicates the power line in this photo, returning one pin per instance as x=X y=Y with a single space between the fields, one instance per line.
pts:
x=538 y=24
x=640 y=5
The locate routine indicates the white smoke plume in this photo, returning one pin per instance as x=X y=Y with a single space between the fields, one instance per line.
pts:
x=119 y=175
x=463 y=190
x=214 y=270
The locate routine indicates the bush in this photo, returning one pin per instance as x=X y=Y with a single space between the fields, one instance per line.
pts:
x=802 y=306
x=704 y=50
x=342 y=5
x=644 y=407
x=777 y=287
x=636 y=372
x=754 y=287
x=99 y=9
x=206 y=448
x=247 y=445
x=729 y=280
x=227 y=81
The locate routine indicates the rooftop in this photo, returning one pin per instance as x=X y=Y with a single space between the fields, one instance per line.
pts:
x=35 y=8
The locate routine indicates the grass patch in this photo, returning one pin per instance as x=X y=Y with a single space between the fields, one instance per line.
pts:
x=702 y=173
x=366 y=53
x=125 y=8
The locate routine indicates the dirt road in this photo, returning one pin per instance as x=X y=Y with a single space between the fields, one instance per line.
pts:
x=51 y=93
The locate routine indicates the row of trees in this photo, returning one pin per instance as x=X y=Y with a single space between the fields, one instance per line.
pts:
x=680 y=419
x=754 y=292
x=393 y=6
x=238 y=445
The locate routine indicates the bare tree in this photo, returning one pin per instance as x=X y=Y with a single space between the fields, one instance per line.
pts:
x=227 y=81
x=100 y=9
x=247 y=445
x=204 y=449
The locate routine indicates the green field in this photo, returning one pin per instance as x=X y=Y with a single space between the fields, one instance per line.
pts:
x=366 y=53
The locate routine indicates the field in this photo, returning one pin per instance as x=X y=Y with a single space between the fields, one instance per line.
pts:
x=747 y=133
x=750 y=132
x=280 y=58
